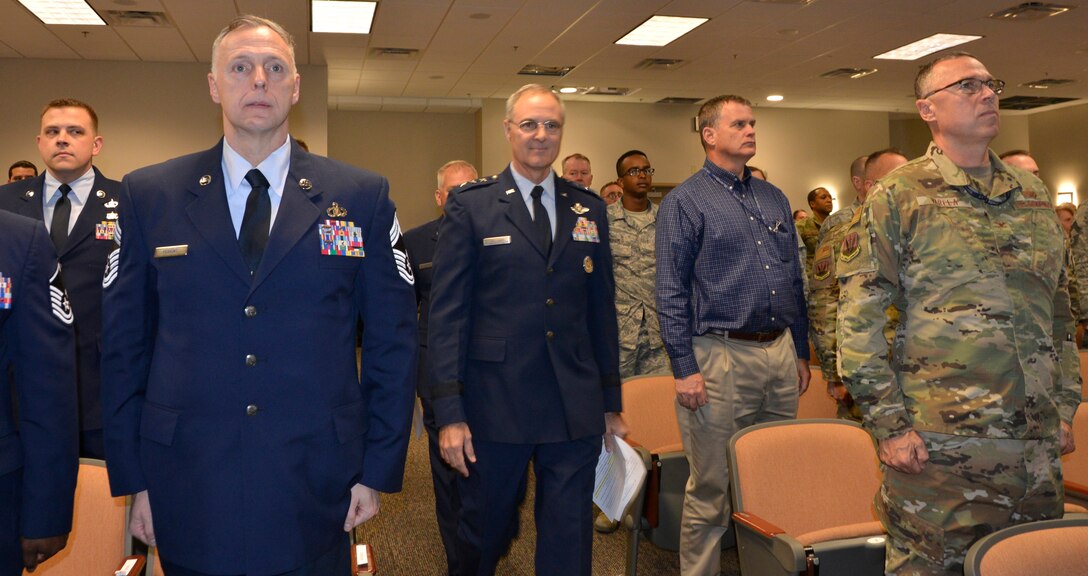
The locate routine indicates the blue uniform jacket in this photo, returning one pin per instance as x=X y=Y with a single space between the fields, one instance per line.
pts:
x=37 y=346
x=523 y=348
x=235 y=400
x=82 y=260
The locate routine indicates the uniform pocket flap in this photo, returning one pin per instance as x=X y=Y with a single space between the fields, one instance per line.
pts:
x=158 y=424
x=487 y=349
x=350 y=421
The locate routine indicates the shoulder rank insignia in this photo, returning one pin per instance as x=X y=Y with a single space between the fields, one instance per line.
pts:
x=336 y=211
x=578 y=208
x=851 y=247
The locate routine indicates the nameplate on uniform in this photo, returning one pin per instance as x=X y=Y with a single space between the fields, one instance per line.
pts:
x=1029 y=204
x=5 y=293
x=426 y=265
x=172 y=251
x=496 y=240
x=341 y=238
x=943 y=202
x=585 y=230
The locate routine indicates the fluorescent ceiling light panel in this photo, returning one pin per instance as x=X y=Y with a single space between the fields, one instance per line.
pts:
x=341 y=16
x=926 y=46
x=70 y=12
x=660 y=30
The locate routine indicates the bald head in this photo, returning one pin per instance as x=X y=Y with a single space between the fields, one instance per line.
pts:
x=1022 y=160
x=880 y=163
x=857 y=175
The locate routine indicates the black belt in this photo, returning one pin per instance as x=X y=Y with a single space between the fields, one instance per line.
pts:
x=749 y=336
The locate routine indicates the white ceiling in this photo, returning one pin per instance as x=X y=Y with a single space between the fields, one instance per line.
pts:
x=473 y=49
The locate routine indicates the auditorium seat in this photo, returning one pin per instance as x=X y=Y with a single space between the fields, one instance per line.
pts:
x=803 y=499
x=1050 y=547
x=649 y=408
x=99 y=540
x=1075 y=465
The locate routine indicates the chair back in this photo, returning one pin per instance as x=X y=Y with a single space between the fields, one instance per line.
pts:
x=1047 y=547
x=805 y=475
x=1084 y=374
x=649 y=408
x=1075 y=465
x=97 y=541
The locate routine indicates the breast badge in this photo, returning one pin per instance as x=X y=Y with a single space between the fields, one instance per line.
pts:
x=105 y=230
x=585 y=230
x=341 y=238
x=578 y=208
x=336 y=211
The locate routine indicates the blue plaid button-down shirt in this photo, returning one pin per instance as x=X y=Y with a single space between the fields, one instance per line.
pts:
x=726 y=260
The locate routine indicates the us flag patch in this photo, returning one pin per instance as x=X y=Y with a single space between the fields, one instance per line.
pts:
x=58 y=298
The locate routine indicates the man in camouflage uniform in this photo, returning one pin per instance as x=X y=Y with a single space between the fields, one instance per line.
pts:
x=977 y=401
x=823 y=294
x=633 y=224
x=819 y=200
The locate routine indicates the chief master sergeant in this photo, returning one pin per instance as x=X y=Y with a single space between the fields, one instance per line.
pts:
x=974 y=407
x=235 y=409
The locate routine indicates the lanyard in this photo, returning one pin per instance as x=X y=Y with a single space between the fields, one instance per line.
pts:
x=758 y=213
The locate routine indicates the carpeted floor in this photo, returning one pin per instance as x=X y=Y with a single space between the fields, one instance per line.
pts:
x=404 y=536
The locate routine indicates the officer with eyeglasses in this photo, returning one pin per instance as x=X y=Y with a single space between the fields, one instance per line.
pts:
x=522 y=334
x=975 y=404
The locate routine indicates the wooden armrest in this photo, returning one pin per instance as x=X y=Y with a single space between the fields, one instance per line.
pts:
x=765 y=528
x=1079 y=490
x=131 y=565
x=362 y=559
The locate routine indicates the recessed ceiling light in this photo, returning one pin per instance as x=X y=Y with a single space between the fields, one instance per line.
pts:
x=926 y=46
x=775 y=98
x=70 y=12
x=660 y=30
x=341 y=16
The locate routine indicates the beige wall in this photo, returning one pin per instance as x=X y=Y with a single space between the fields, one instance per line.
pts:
x=800 y=149
x=147 y=112
x=911 y=135
x=1060 y=146
x=407 y=148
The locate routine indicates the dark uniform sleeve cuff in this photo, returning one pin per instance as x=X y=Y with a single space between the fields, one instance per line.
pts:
x=448 y=410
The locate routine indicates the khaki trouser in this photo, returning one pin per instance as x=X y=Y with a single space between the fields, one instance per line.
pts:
x=747 y=383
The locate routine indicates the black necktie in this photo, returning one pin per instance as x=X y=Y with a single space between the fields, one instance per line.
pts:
x=253 y=236
x=62 y=213
x=540 y=217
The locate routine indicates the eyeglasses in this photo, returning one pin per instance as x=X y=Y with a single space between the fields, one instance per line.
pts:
x=531 y=126
x=972 y=86
x=633 y=172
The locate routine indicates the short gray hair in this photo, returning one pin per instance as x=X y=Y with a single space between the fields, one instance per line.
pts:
x=251 y=21
x=532 y=89
x=455 y=164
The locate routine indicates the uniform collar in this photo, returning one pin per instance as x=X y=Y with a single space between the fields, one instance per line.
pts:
x=1004 y=181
